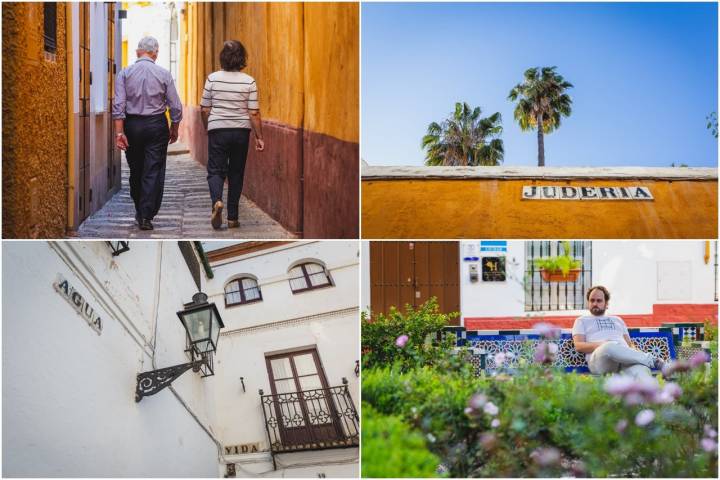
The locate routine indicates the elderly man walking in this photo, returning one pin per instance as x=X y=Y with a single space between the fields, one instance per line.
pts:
x=143 y=92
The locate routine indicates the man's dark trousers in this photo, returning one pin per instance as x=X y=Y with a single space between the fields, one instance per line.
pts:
x=227 y=153
x=148 y=138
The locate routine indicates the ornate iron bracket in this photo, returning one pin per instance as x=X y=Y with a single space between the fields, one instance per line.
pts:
x=150 y=383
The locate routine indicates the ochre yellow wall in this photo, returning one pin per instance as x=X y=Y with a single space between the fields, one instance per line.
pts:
x=35 y=148
x=332 y=71
x=492 y=208
x=304 y=58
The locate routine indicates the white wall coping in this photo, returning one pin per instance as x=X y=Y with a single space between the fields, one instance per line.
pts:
x=538 y=173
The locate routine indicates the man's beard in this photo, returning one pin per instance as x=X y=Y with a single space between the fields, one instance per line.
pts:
x=597 y=311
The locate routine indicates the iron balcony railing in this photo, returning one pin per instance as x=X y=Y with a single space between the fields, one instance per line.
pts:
x=311 y=420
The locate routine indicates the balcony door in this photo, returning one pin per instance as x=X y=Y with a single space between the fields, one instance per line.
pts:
x=303 y=403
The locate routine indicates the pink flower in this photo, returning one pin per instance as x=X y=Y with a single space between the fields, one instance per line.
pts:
x=402 y=340
x=543 y=353
x=709 y=431
x=669 y=393
x=495 y=423
x=644 y=417
x=698 y=359
x=552 y=348
x=488 y=441
x=633 y=398
x=619 y=385
x=545 y=456
x=491 y=409
x=500 y=358
x=675 y=367
x=621 y=426
x=477 y=401
x=548 y=330
x=708 y=444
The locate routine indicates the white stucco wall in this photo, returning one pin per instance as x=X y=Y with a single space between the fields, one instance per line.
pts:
x=68 y=393
x=326 y=319
x=629 y=269
x=148 y=20
x=365 y=276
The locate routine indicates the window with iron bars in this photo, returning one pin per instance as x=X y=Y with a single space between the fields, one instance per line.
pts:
x=541 y=295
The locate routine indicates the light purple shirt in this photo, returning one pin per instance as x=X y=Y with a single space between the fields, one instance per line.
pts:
x=144 y=88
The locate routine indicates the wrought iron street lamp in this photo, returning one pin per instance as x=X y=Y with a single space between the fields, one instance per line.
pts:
x=202 y=324
x=119 y=247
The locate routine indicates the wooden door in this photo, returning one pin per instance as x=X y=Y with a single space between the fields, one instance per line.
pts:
x=111 y=71
x=84 y=191
x=410 y=273
x=303 y=403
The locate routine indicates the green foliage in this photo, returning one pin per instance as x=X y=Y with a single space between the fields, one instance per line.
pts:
x=422 y=327
x=408 y=456
x=465 y=139
x=712 y=124
x=540 y=408
x=711 y=331
x=562 y=263
x=541 y=100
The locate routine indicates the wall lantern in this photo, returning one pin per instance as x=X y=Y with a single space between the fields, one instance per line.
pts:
x=202 y=324
x=118 y=247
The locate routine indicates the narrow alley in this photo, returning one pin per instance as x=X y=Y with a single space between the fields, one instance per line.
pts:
x=185 y=211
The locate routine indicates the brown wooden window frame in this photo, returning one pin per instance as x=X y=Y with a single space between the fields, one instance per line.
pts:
x=241 y=291
x=306 y=276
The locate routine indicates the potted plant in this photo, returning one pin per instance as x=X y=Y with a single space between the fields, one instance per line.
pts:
x=562 y=268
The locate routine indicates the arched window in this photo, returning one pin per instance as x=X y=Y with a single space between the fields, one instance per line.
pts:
x=242 y=290
x=308 y=276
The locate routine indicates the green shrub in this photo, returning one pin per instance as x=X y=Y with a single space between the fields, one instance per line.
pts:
x=391 y=449
x=421 y=326
x=542 y=410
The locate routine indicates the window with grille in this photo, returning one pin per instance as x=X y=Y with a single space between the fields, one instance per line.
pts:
x=242 y=290
x=542 y=295
x=50 y=26
x=308 y=276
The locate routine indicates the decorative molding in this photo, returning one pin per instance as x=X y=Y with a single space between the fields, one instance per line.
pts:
x=292 y=321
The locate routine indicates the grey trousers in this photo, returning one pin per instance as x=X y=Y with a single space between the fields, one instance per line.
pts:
x=614 y=357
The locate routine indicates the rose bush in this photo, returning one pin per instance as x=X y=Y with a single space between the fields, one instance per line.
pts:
x=545 y=422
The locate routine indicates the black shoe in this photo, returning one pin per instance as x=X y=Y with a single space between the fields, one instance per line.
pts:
x=216 y=217
x=146 y=224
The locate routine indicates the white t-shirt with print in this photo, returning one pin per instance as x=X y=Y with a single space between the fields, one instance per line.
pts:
x=601 y=328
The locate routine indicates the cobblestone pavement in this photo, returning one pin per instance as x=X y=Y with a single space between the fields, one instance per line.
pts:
x=185 y=210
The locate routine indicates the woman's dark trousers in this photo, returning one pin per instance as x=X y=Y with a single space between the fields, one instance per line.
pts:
x=148 y=138
x=227 y=153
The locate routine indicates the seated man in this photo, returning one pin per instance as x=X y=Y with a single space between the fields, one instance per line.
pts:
x=605 y=340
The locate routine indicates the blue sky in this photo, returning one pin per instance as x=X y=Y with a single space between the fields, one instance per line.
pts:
x=645 y=77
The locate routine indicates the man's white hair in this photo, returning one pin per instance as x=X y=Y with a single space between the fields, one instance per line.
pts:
x=149 y=44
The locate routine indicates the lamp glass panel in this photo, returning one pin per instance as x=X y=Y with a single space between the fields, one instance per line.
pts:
x=198 y=324
x=215 y=327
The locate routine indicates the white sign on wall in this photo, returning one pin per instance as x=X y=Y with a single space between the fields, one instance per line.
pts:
x=549 y=192
x=63 y=287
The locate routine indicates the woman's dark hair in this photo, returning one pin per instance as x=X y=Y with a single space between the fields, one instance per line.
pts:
x=233 y=56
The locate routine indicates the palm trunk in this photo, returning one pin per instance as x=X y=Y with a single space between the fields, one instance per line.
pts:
x=541 y=141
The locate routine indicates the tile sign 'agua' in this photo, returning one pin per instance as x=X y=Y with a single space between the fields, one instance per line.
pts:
x=68 y=292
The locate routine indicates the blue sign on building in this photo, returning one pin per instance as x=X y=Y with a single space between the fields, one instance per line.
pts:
x=493 y=246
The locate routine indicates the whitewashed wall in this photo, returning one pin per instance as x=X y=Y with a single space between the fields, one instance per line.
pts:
x=629 y=269
x=148 y=20
x=326 y=319
x=68 y=393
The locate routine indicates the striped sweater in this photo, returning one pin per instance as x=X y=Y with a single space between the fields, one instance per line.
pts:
x=230 y=96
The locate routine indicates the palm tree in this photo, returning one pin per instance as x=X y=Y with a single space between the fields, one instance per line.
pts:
x=541 y=100
x=464 y=139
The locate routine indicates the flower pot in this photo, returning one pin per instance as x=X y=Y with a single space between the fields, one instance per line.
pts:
x=558 y=276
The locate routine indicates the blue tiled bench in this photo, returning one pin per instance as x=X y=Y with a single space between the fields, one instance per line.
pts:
x=485 y=344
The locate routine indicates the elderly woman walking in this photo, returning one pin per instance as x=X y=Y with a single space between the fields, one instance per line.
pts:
x=230 y=111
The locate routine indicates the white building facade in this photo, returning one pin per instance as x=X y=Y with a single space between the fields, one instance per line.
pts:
x=651 y=282
x=80 y=324
x=291 y=316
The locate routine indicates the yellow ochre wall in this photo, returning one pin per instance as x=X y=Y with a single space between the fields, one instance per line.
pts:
x=35 y=148
x=492 y=208
x=304 y=57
